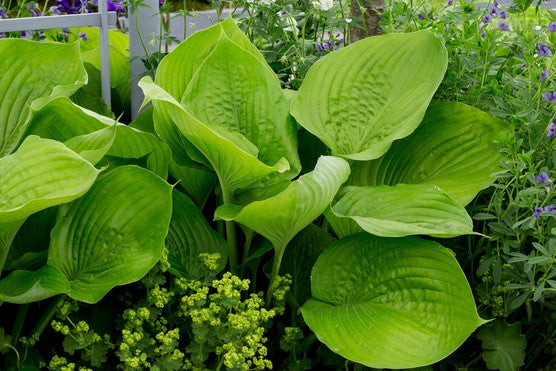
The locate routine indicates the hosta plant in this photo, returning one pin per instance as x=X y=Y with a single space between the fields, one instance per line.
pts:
x=329 y=184
x=394 y=165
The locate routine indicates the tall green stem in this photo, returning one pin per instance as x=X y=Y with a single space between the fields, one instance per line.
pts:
x=230 y=233
x=46 y=317
x=278 y=254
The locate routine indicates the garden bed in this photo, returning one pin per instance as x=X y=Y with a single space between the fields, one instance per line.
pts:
x=292 y=198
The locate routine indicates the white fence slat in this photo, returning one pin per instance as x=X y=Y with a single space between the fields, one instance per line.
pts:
x=56 y=21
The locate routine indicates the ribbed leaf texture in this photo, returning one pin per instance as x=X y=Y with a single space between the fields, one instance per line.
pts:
x=390 y=302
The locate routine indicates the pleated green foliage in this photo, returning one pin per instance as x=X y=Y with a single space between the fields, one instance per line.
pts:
x=390 y=302
x=403 y=210
x=103 y=240
x=31 y=74
x=218 y=103
x=361 y=98
x=452 y=148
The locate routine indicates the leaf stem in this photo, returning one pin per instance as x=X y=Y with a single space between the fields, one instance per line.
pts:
x=46 y=317
x=231 y=236
x=276 y=262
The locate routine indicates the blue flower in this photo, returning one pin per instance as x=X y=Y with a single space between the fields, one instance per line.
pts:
x=538 y=211
x=552 y=27
x=550 y=96
x=83 y=36
x=544 y=75
x=551 y=128
x=543 y=178
x=420 y=16
x=544 y=51
x=3 y=14
x=549 y=209
x=450 y=2
x=319 y=48
x=486 y=19
x=503 y=26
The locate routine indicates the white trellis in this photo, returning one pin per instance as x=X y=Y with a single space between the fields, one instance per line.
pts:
x=142 y=28
x=103 y=20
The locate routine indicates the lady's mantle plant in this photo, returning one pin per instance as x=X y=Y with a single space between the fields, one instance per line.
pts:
x=395 y=166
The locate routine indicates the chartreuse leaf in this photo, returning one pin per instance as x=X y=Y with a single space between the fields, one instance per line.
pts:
x=403 y=210
x=453 y=148
x=40 y=174
x=281 y=217
x=62 y=120
x=390 y=302
x=503 y=346
x=245 y=98
x=358 y=100
x=190 y=235
x=114 y=234
x=22 y=287
x=31 y=73
x=93 y=146
x=231 y=155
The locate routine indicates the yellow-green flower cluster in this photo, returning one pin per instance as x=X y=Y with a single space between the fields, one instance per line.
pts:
x=290 y=339
x=159 y=296
x=210 y=260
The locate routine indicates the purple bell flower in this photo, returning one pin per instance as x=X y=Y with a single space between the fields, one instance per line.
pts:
x=544 y=75
x=503 y=26
x=551 y=27
x=550 y=96
x=538 y=211
x=544 y=51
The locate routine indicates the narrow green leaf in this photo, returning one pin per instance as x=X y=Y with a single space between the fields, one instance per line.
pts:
x=453 y=148
x=390 y=302
x=281 y=217
x=358 y=100
x=21 y=287
x=190 y=235
x=403 y=210
x=503 y=346
x=40 y=174
x=32 y=73
x=114 y=234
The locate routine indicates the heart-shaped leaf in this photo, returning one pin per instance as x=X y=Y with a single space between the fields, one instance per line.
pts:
x=114 y=234
x=403 y=210
x=190 y=235
x=390 y=302
x=31 y=73
x=453 y=148
x=358 y=100
x=22 y=287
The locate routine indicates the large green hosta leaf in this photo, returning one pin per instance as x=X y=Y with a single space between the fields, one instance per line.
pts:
x=114 y=234
x=40 y=174
x=281 y=217
x=190 y=235
x=224 y=82
x=32 y=73
x=453 y=148
x=390 y=303
x=232 y=156
x=358 y=100
x=403 y=210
